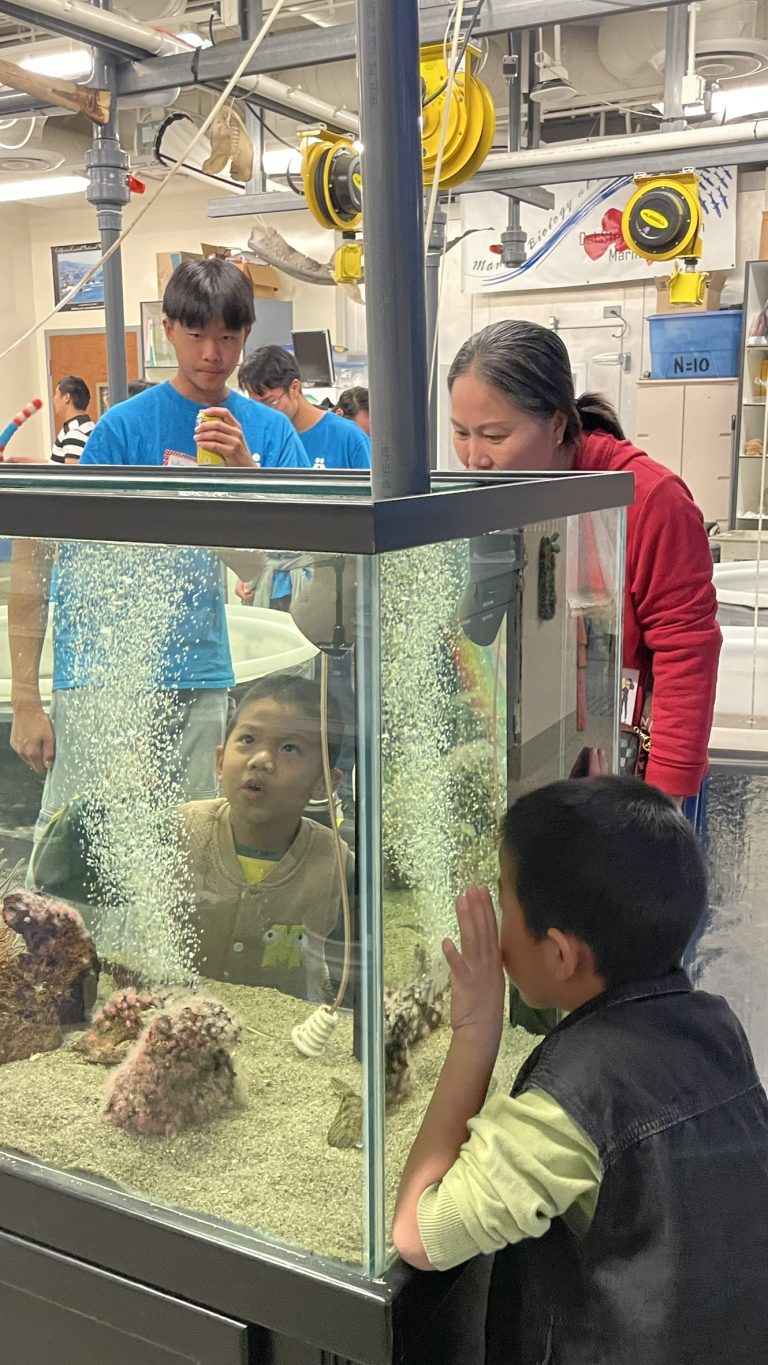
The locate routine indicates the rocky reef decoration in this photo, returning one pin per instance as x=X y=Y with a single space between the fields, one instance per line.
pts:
x=48 y=969
x=411 y=1013
x=117 y=1025
x=180 y=1072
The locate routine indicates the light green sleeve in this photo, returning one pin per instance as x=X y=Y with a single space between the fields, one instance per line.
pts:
x=524 y=1163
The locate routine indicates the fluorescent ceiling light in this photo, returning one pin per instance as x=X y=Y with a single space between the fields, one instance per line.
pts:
x=42 y=188
x=734 y=102
x=78 y=61
x=278 y=160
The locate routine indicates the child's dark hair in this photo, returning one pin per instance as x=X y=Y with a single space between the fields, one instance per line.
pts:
x=531 y=366
x=611 y=861
x=201 y=292
x=72 y=386
x=305 y=696
x=269 y=367
x=353 y=401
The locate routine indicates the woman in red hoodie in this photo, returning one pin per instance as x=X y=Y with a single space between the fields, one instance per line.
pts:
x=513 y=407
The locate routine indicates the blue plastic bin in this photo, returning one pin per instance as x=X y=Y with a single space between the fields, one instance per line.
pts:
x=695 y=345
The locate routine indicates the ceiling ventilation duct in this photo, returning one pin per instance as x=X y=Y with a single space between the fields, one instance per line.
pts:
x=631 y=46
x=39 y=146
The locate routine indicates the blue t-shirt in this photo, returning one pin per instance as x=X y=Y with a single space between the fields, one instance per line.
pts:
x=157 y=428
x=339 y=443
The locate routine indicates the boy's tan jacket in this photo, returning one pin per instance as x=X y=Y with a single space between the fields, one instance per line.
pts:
x=260 y=935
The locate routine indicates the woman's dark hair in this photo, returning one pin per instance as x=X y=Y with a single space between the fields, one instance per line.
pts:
x=201 y=292
x=530 y=365
x=611 y=861
x=139 y=386
x=302 y=694
x=72 y=386
x=353 y=401
x=269 y=367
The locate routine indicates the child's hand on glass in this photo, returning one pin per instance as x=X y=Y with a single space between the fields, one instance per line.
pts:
x=477 y=974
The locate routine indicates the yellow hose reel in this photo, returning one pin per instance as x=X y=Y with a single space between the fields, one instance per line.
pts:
x=330 y=172
x=330 y=162
x=471 y=118
x=663 y=222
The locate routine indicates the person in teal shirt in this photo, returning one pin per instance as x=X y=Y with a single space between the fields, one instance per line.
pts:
x=271 y=376
x=208 y=312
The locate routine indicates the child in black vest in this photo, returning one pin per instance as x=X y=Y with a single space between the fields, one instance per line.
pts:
x=624 y=1183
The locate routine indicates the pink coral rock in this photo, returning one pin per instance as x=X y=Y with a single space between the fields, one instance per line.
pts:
x=179 y=1074
x=46 y=960
x=117 y=1025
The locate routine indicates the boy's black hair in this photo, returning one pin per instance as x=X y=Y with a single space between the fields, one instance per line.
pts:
x=139 y=386
x=611 y=861
x=201 y=292
x=353 y=401
x=74 y=387
x=269 y=367
x=305 y=696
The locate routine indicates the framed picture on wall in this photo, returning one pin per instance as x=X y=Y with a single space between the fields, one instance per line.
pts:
x=102 y=398
x=70 y=264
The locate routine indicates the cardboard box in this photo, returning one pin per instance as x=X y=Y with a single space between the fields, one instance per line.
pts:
x=167 y=262
x=264 y=280
x=709 y=304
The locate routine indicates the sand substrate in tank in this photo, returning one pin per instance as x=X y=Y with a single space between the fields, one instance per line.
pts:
x=267 y=1166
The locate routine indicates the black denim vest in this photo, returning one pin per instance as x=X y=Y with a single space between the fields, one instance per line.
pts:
x=674 y=1267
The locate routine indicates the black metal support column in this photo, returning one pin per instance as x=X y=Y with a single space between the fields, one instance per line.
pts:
x=513 y=236
x=107 y=167
x=390 y=108
x=435 y=251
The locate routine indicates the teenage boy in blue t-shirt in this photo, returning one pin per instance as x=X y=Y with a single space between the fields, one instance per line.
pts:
x=208 y=313
x=271 y=376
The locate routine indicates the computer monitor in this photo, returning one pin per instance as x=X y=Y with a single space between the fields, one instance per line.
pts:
x=314 y=357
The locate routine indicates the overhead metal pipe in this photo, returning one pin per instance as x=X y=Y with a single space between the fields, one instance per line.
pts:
x=607 y=148
x=390 y=110
x=107 y=166
x=675 y=65
x=126 y=37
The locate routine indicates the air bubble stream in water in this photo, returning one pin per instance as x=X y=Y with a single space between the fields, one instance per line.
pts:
x=129 y=600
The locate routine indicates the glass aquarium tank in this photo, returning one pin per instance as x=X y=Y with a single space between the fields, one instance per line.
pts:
x=268 y=729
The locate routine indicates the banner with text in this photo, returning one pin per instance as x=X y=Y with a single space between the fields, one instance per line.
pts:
x=579 y=241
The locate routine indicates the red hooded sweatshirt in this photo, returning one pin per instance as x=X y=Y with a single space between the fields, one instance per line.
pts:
x=670 y=611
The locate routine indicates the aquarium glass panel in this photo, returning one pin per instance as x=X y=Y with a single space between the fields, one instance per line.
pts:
x=499 y=666
x=222 y=989
x=181 y=909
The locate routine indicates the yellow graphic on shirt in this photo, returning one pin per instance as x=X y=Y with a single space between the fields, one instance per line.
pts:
x=255 y=869
x=282 y=945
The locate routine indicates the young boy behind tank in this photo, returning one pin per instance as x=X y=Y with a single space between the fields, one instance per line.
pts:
x=265 y=877
x=623 y=1184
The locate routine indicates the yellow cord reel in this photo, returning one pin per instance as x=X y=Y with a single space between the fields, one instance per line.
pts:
x=663 y=222
x=471 y=118
x=330 y=173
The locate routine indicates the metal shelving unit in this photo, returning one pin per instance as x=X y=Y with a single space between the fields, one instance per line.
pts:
x=750 y=481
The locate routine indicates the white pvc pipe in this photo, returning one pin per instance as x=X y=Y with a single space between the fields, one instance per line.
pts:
x=102 y=23
x=600 y=149
x=302 y=102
